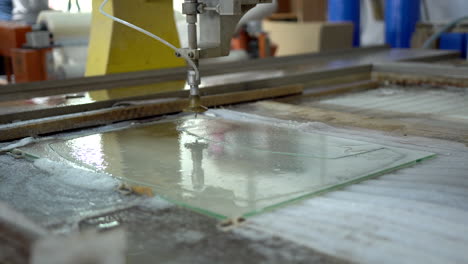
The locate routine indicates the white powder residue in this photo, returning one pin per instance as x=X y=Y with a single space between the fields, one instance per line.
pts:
x=75 y=176
x=21 y=143
x=188 y=236
x=17 y=222
x=89 y=247
x=257 y=119
x=156 y=203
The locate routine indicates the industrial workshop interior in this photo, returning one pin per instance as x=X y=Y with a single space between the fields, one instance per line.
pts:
x=233 y=131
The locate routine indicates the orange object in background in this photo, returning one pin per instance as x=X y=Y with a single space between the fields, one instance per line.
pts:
x=30 y=65
x=241 y=41
x=12 y=36
x=263 y=48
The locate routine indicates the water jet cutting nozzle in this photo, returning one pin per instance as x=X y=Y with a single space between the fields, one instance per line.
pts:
x=195 y=105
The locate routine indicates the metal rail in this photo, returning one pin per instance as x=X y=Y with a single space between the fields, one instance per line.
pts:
x=421 y=73
x=336 y=59
x=134 y=110
x=307 y=79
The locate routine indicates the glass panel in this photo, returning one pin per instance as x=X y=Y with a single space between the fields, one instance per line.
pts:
x=229 y=168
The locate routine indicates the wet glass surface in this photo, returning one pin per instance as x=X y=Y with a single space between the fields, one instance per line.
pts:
x=228 y=168
x=44 y=102
x=19 y=106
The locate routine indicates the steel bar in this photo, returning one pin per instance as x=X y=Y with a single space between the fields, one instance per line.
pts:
x=419 y=73
x=311 y=79
x=422 y=69
x=331 y=90
x=346 y=58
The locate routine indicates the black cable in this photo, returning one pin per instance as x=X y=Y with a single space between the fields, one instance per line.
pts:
x=78 y=5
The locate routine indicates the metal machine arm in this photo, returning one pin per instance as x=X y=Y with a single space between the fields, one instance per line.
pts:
x=218 y=21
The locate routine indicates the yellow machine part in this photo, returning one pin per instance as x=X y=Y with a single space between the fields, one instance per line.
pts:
x=115 y=48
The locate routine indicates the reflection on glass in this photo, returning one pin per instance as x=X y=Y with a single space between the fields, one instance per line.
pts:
x=198 y=174
x=230 y=168
x=18 y=106
x=88 y=150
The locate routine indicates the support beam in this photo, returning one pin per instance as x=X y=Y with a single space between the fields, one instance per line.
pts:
x=134 y=110
x=312 y=80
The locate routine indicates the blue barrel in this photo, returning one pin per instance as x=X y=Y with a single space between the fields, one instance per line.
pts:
x=401 y=17
x=6 y=8
x=454 y=41
x=466 y=46
x=346 y=11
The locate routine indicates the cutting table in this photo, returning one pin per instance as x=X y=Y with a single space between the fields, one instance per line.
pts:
x=413 y=214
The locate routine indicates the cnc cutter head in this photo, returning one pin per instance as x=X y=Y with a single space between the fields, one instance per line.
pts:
x=195 y=105
x=218 y=21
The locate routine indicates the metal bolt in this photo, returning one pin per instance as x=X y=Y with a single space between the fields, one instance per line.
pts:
x=177 y=54
x=191 y=55
x=201 y=8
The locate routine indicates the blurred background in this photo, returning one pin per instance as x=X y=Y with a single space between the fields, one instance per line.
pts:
x=285 y=27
